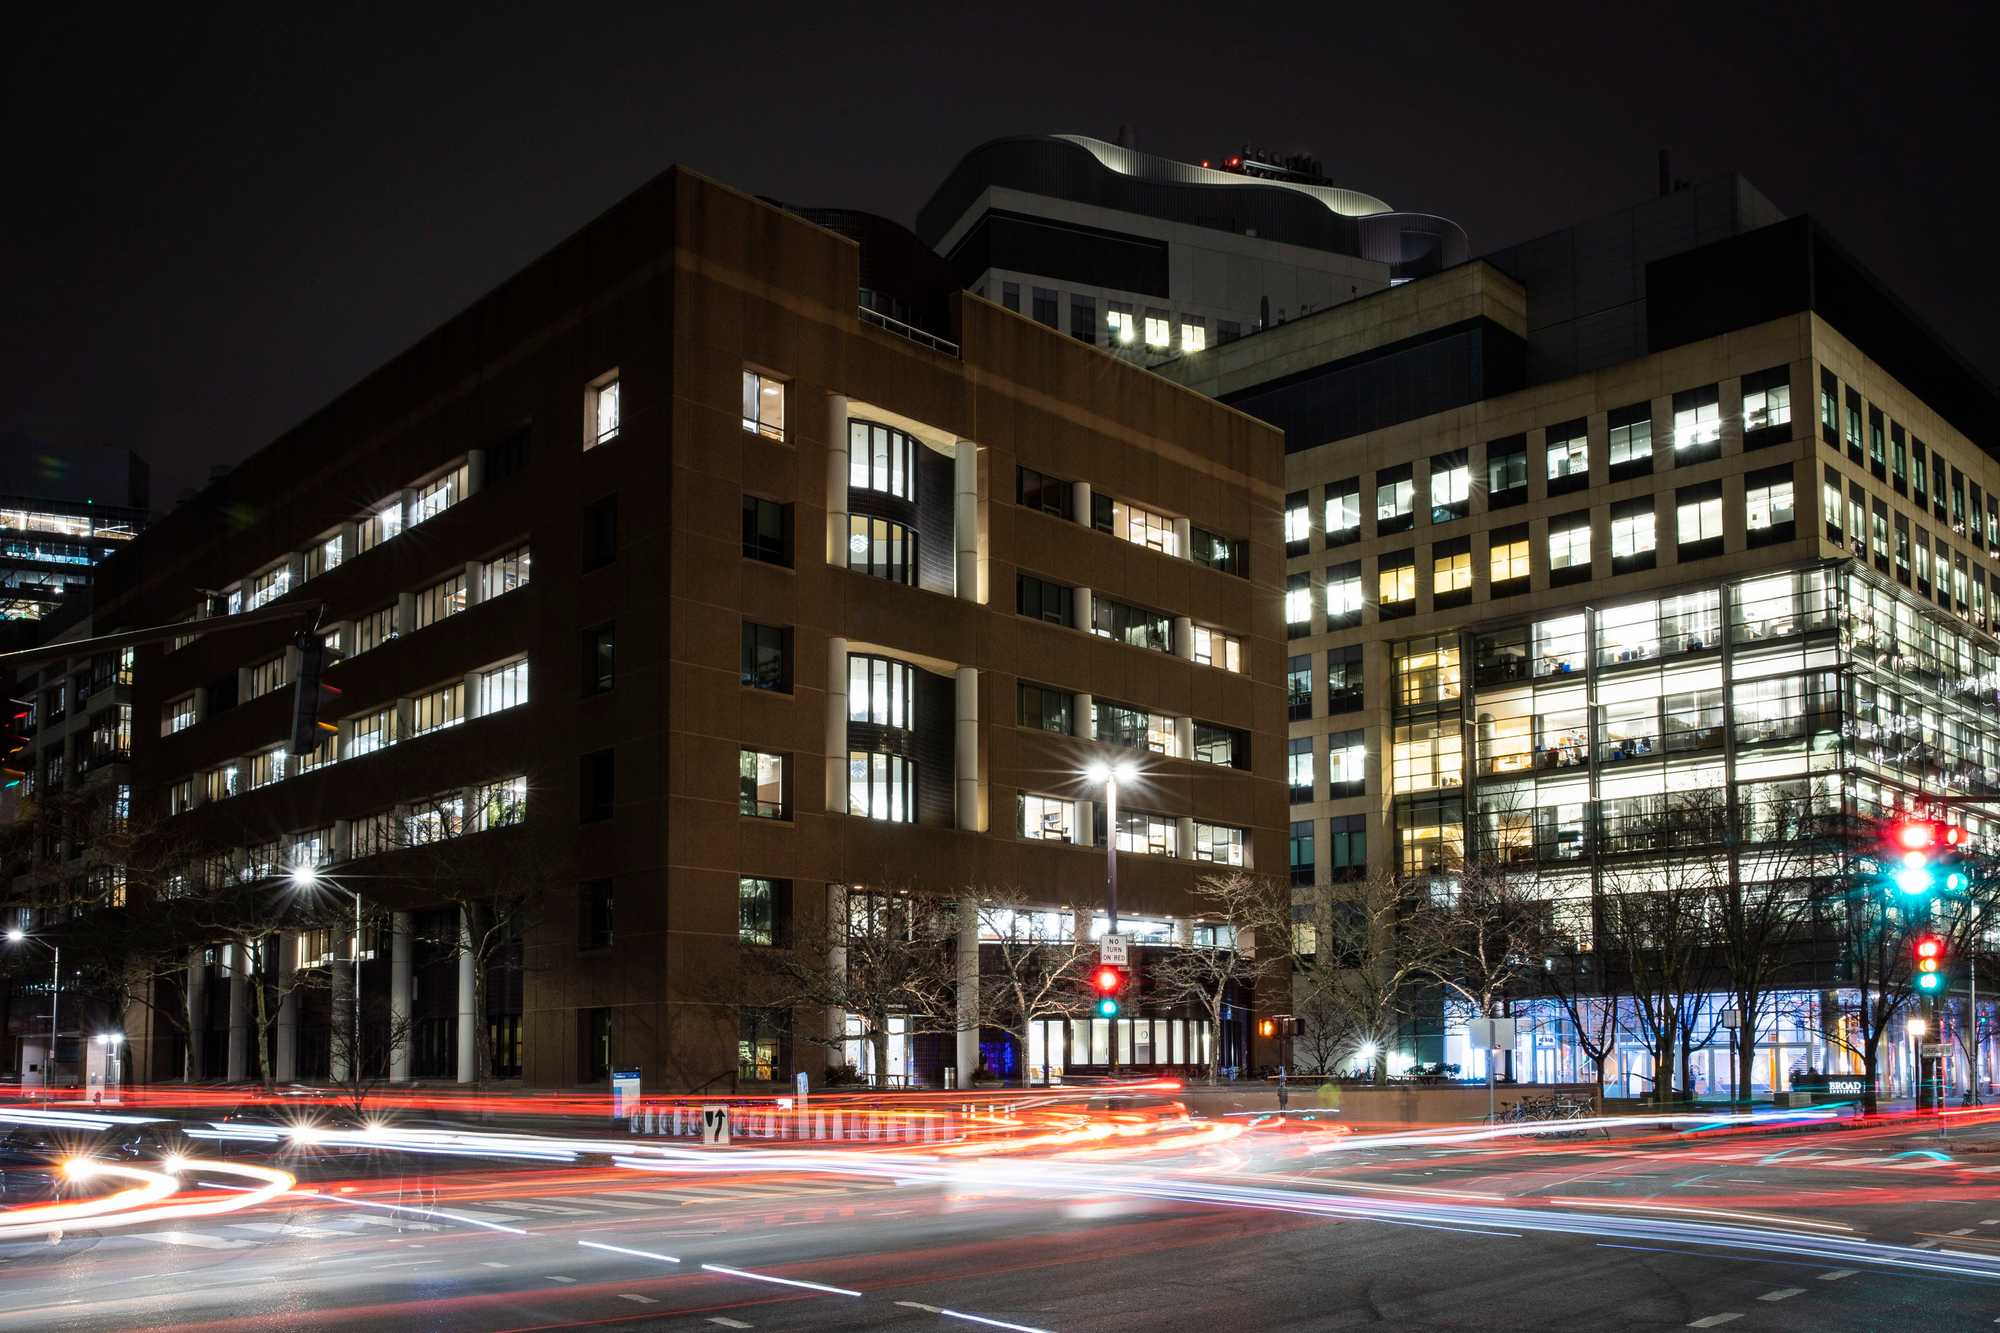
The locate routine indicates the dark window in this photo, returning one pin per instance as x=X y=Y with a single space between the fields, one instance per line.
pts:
x=600 y=654
x=1878 y=454
x=1347 y=847
x=1045 y=709
x=1507 y=472
x=1136 y=626
x=1829 y=408
x=1083 y=319
x=1343 y=680
x=593 y=926
x=600 y=533
x=1010 y=295
x=767 y=657
x=1038 y=490
x=1902 y=548
x=1038 y=599
x=763 y=785
x=1103 y=516
x=509 y=454
x=1629 y=441
x=1231 y=555
x=1299 y=687
x=1899 y=459
x=767 y=530
x=597 y=778
x=1045 y=307
x=1227 y=331
x=762 y=908
x=1303 y=867
x=1919 y=472
x=595 y=1061
x=1830 y=501
x=1854 y=452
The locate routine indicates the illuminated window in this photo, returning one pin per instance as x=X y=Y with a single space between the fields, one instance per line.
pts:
x=505 y=573
x=1343 y=594
x=1633 y=533
x=221 y=783
x=434 y=497
x=1219 y=843
x=1159 y=330
x=267 y=767
x=503 y=687
x=1298 y=603
x=1346 y=764
x=440 y=600
x=441 y=708
x=1298 y=523
x=1509 y=558
x=757 y=923
x=324 y=555
x=371 y=732
x=1426 y=756
x=434 y=819
x=1568 y=456
x=501 y=803
x=1698 y=518
x=601 y=405
x=881 y=786
x=1629 y=439
x=269 y=586
x=1768 y=505
x=1119 y=319
x=763 y=405
x=383 y=523
x=374 y=629
x=1143 y=834
x=1047 y=818
x=882 y=459
x=1194 y=333
x=1398 y=582
x=1299 y=768
x=1427 y=671
x=268 y=675
x=762 y=788
x=1451 y=573
x=1767 y=399
x=1214 y=648
x=1140 y=526
x=1451 y=487
x=1697 y=419
x=881 y=691
x=1569 y=547
x=180 y=715
x=1343 y=511
x=1393 y=500
x=878 y=548
x=1136 y=728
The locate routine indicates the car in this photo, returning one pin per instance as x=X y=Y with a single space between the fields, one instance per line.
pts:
x=31 y=1169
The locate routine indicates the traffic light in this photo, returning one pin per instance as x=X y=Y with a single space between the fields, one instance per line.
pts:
x=1930 y=965
x=1267 y=1027
x=1109 y=983
x=1924 y=858
x=309 y=693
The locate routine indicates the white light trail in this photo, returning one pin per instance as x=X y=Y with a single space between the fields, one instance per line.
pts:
x=781 y=1281
x=620 y=1249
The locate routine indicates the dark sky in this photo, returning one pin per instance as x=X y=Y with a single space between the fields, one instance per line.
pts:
x=215 y=222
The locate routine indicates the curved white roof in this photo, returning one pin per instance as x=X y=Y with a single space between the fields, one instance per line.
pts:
x=1146 y=166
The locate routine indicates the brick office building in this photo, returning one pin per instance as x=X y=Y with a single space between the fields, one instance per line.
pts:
x=668 y=576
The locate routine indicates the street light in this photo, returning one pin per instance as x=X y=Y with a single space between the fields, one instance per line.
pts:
x=15 y=936
x=1110 y=773
x=114 y=1045
x=304 y=876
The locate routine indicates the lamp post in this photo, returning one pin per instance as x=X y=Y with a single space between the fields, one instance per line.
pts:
x=55 y=998
x=305 y=877
x=1111 y=773
x=114 y=1055
x=1916 y=1028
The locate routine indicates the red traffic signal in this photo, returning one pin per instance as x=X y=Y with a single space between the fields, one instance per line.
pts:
x=1107 y=980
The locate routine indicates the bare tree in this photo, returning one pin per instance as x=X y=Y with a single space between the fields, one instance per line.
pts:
x=1480 y=940
x=888 y=959
x=364 y=1054
x=1586 y=986
x=1040 y=966
x=1354 y=988
x=1251 y=915
x=1660 y=919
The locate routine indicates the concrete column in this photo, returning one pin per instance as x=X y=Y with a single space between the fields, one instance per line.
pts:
x=1080 y=608
x=1184 y=736
x=468 y=1021
x=475 y=582
x=965 y=520
x=836 y=479
x=1080 y=501
x=1184 y=932
x=1080 y=922
x=836 y=726
x=1184 y=638
x=475 y=472
x=1184 y=838
x=399 y=995
x=197 y=988
x=968 y=990
x=836 y=964
x=239 y=1014
x=286 y=1065
x=1086 y=823
x=1183 y=538
x=965 y=750
x=1083 y=722
x=340 y=1017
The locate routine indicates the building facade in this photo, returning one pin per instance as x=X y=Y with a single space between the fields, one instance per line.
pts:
x=674 y=590
x=1155 y=258
x=1576 y=625
x=62 y=512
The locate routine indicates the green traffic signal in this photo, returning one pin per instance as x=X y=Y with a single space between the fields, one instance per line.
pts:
x=1107 y=1008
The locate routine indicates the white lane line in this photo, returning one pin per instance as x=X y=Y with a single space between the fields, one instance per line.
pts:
x=727 y=1322
x=636 y=1298
x=414 y=1263
x=194 y=1239
x=1963 y=1231
x=556 y=1210
x=489 y=1263
x=781 y=1281
x=1712 y=1320
x=550 y=1277
x=620 y=1249
x=919 y=1305
x=1989 y=1221
x=991 y=1323
x=629 y=1204
x=1782 y=1294
x=1834 y=1275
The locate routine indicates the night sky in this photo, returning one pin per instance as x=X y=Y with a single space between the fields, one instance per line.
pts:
x=216 y=223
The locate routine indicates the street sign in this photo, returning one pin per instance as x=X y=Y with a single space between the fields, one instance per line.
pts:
x=805 y=1086
x=1933 y=1049
x=715 y=1126
x=624 y=1093
x=1111 y=949
x=1490 y=1034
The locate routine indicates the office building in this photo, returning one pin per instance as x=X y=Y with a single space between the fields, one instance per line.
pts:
x=62 y=512
x=1676 y=510
x=688 y=598
x=1153 y=257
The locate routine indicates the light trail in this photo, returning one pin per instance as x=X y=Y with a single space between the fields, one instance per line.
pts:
x=82 y=1216
x=781 y=1281
x=620 y=1249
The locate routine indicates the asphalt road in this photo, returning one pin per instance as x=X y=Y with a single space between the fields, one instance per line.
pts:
x=558 y=1247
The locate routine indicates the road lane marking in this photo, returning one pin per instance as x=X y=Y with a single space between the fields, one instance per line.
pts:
x=636 y=1298
x=629 y=1204
x=556 y=1209
x=489 y=1263
x=990 y=1323
x=194 y=1239
x=414 y=1263
x=727 y=1322
x=1711 y=1321
x=1782 y=1294
x=620 y=1249
x=1836 y=1274
x=550 y=1277
x=781 y=1281
x=1963 y=1231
